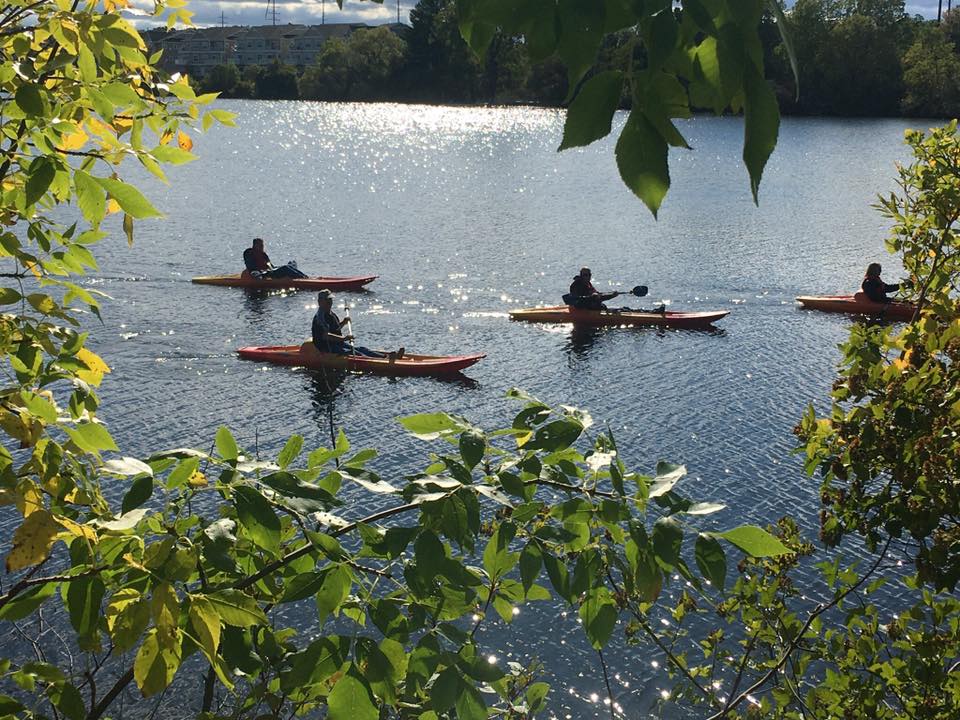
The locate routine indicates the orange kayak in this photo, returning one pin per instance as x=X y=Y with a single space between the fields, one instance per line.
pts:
x=308 y=356
x=246 y=280
x=858 y=304
x=567 y=314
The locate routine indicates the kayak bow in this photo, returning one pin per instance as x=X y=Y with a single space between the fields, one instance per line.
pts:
x=857 y=305
x=308 y=356
x=245 y=280
x=567 y=314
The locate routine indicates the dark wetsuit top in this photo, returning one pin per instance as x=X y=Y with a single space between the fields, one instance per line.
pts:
x=875 y=289
x=323 y=324
x=256 y=260
x=585 y=296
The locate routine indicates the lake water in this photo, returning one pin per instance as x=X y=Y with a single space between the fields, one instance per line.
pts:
x=466 y=213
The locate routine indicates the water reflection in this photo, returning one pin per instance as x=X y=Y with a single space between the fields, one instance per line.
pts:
x=582 y=339
x=254 y=300
x=323 y=385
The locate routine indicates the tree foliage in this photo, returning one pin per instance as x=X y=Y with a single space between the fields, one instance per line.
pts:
x=361 y=67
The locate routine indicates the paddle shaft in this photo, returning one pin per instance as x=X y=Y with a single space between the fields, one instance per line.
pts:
x=349 y=327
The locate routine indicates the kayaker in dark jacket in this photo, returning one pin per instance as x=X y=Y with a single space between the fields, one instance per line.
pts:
x=327 y=336
x=874 y=288
x=258 y=263
x=584 y=296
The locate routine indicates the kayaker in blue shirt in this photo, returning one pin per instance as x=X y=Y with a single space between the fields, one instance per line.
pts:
x=258 y=263
x=327 y=335
x=875 y=288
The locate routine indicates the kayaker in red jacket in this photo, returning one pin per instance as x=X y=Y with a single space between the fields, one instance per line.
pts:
x=257 y=261
x=874 y=288
x=584 y=296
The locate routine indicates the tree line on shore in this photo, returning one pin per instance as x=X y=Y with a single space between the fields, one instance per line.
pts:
x=854 y=58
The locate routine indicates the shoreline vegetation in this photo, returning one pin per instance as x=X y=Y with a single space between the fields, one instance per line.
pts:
x=853 y=60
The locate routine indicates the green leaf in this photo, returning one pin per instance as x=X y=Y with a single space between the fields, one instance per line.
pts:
x=443 y=693
x=140 y=491
x=8 y=296
x=336 y=586
x=531 y=560
x=127 y=467
x=182 y=472
x=40 y=174
x=127 y=616
x=755 y=541
x=27 y=602
x=581 y=30
x=296 y=494
x=156 y=663
x=70 y=702
x=129 y=198
x=667 y=476
x=556 y=435
x=599 y=615
x=206 y=625
x=590 y=115
x=642 y=160
x=711 y=560
x=290 y=451
x=257 y=518
x=761 y=126
x=226 y=445
x=91 y=437
x=667 y=538
x=172 y=154
x=473 y=445
x=430 y=426
x=497 y=559
x=352 y=699
x=29 y=100
x=470 y=704
x=237 y=608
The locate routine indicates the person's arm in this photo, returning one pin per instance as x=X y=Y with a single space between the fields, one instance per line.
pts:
x=607 y=296
x=891 y=288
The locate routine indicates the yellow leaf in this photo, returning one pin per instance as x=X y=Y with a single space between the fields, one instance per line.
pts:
x=32 y=541
x=112 y=206
x=98 y=127
x=96 y=367
x=74 y=141
x=166 y=137
x=77 y=530
x=30 y=499
x=122 y=124
x=197 y=480
x=184 y=141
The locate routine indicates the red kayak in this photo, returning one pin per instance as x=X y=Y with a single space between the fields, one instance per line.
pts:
x=246 y=280
x=567 y=314
x=858 y=304
x=308 y=356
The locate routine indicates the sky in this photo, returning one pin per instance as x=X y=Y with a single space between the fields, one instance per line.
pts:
x=309 y=12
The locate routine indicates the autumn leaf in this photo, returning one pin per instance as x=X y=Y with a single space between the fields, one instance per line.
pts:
x=96 y=367
x=74 y=141
x=112 y=206
x=197 y=480
x=184 y=141
x=32 y=541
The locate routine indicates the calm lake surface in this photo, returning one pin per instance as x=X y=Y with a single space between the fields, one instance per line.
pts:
x=467 y=213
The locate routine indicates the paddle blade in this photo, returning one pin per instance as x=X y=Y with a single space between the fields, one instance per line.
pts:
x=639 y=291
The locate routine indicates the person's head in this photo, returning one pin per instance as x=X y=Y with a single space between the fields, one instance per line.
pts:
x=873 y=270
x=585 y=273
x=258 y=243
x=325 y=300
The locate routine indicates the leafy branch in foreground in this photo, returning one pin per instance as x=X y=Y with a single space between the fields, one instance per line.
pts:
x=705 y=55
x=208 y=556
